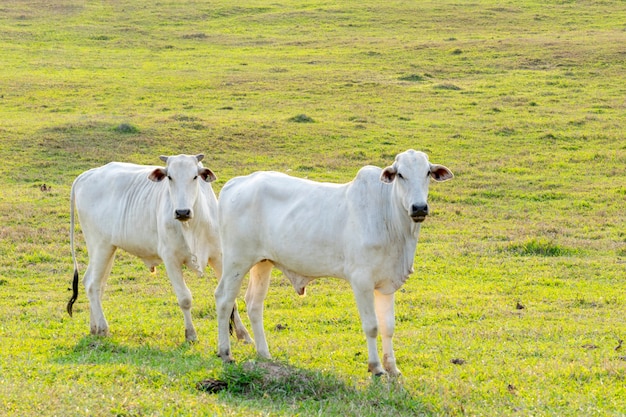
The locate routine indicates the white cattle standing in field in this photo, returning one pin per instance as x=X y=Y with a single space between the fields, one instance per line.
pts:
x=160 y=214
x=364 y=231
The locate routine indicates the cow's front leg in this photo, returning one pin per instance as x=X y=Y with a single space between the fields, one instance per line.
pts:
x=225 y=295
x=255 y=297
x=183 y=294
x=240 y=329
x=386 y=322
x=365 y=303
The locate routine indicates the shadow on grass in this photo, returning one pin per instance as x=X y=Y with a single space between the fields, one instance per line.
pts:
x=95 y=350
x=306 y=392
x=255 y=384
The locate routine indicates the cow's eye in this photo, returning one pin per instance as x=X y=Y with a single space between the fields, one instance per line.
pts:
x=400 y=176
x=169 y=178
x=195 y=178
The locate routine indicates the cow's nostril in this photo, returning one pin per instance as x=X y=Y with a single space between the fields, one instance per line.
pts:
x=183 y=214
x=419 y=210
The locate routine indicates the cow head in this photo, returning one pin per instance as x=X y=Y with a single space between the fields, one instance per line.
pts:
x=183 y=172
x=410 y=174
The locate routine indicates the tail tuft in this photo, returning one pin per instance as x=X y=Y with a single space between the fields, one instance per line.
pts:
x=70 y=303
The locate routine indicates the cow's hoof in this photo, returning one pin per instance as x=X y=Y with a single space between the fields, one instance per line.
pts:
x=191 y=336
x=376 y=369
x=226 y=357
x=389 y=363
x=100 y=332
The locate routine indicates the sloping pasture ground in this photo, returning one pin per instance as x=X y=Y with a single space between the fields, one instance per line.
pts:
x=518 y=299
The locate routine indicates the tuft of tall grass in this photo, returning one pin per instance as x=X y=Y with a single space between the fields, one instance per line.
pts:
x=301 y=118
x=126 y=128
x=412 y=78
x=539 y=247
x=275 y=379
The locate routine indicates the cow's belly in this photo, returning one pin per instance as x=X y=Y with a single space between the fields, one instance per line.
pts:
x=309 y=268
x=308 y=257
x=146 y=251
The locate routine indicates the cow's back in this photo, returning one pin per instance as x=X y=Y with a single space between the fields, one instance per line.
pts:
x=313 y=229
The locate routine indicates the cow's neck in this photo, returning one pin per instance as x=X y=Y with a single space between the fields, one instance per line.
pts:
x=405 y=236
x=195 y=232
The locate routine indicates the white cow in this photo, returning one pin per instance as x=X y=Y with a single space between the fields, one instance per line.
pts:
x=364 y=231
x=160 y=214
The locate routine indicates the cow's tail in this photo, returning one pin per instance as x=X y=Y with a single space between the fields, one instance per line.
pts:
x=70 y=303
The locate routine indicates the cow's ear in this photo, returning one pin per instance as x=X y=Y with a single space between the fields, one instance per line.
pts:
x=440 y=173
x=158 y=175
x=388 y=174
x=163 y=158
x=200 y=157
x=207 y=174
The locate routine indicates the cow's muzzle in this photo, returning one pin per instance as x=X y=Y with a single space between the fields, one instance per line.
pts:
x=182 y=214
x=419 y=212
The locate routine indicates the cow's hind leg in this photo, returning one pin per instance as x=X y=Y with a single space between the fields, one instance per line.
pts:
x=255 y=297
x=183 y=294
x=365 y=303
x=386 y=322
x=240 y=330
x=95 y=279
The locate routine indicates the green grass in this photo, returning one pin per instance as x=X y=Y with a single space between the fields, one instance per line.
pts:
x=517 y=303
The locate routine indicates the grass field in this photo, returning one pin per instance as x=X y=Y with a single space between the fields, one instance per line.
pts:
x=518 y=299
